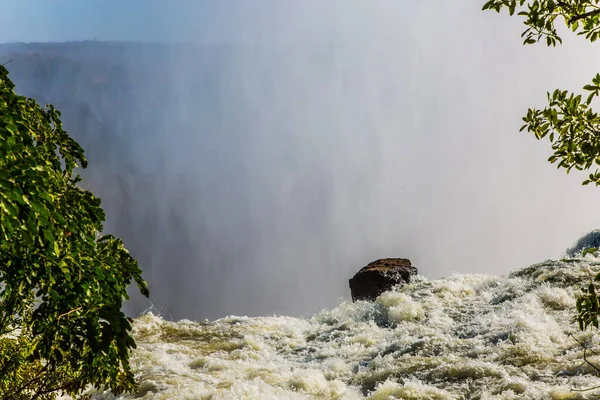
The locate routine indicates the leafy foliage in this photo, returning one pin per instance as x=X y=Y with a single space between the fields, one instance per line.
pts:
x=588 y=306
x=581 y=16
x=62 y=285
x=572 y=127
x=575 y=127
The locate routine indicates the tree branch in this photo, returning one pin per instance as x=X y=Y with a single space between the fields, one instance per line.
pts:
x=586 y=361
x=584 y=15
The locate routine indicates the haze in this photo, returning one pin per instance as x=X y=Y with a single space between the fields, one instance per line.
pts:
x=331 y=134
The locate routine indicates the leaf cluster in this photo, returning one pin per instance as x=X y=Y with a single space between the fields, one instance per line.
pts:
x=572 y=127
x=540 y=16
x=62 y=284
x=588 y=306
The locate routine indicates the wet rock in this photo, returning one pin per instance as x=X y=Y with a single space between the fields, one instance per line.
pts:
x=380 y=276
x=147 y=387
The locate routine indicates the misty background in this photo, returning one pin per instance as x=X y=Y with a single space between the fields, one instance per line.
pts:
x=254 y=155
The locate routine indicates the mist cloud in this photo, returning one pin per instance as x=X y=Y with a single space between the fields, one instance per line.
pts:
x=298 y=141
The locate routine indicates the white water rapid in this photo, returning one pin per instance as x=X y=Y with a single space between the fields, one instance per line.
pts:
x=462 y=337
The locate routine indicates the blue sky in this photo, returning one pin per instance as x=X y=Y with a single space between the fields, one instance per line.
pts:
x=63 y=20
x=162 y=20
x=205 y=21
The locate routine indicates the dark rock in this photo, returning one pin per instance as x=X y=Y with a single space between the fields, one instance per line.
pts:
x=380 y=276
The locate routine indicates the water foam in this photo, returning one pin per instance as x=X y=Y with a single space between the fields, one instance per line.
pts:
x=465 y=336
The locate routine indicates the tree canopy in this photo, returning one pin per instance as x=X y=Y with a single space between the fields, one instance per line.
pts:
x=62 y=283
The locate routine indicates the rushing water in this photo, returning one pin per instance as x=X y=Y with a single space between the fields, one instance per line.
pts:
x=461 y=337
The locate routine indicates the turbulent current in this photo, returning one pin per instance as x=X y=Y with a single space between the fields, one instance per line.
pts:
x=461 y=337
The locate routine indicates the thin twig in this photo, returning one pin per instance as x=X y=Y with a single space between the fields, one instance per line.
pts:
x=67 y=313
x=585 y=361
x=577 y=17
